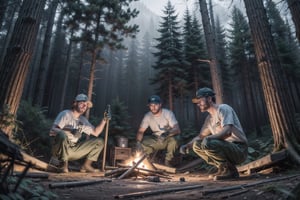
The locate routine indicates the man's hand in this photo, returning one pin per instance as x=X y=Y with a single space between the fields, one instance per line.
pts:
x=184 y=149
x=107 y=115
x=139 y=147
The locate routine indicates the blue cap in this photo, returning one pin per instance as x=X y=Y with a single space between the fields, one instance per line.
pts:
x=154 y=99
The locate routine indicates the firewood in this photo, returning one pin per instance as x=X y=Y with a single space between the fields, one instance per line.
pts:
x=133 y=167
x=160 y=191
x=263 y=162
x=165 y=168
x=116 y=172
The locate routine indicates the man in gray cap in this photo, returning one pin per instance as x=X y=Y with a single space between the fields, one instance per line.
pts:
x=67 y=130
x=221 y=141
x=164 y=127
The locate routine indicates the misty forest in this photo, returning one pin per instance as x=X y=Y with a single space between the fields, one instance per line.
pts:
x=119 y=53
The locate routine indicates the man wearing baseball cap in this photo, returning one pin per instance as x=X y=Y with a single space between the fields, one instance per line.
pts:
x=221 y=141
x=164 y=127
x=67 y=131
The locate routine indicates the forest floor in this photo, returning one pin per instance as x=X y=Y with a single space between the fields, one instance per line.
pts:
x=256 y=186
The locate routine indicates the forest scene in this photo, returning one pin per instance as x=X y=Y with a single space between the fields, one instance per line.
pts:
x=120 y=52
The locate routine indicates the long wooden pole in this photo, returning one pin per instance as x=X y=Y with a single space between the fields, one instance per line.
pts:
x=105 y=145
x=159 y=191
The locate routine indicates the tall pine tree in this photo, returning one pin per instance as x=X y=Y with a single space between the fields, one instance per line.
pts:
x=169 y=75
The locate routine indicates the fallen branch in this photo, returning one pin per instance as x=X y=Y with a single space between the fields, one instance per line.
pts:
x=76 y=183
x=243 y=186
x=33 y=175
x=154 y=192
x=133 y=167
x=116 y=172
x=234 y=194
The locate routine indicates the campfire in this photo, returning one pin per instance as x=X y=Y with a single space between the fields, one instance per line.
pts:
x=138 y=166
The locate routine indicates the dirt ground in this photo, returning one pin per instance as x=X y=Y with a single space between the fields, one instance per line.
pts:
x=256 y=186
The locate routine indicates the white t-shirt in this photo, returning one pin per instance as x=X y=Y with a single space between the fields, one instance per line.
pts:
x=225 y=116
x=159 y=124
x=66 y=121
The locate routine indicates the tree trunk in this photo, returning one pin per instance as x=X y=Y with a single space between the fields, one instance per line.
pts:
x=15 y=66
x=67 y=74
x=3 y=6
x=44 y=62
x=91 y=79
x=294 y=6
x=211 y=48
x=277 y=98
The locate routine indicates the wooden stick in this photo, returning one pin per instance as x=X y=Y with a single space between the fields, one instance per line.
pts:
x=160 y=191
x=234 y=194
x=105 y=145
x=133 y=167
x=76 y=183
x=116 y=171
x=205 y=192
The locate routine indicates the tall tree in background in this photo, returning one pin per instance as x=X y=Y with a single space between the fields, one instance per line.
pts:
x=100 y=23
x=215 y=70
x=239 y=49
x=288 y=51
x=282 y=118
x=44 y=60
x=169 y=72
x=221 y=49
x=195 y=57
x=294 y=6
x=14 y=69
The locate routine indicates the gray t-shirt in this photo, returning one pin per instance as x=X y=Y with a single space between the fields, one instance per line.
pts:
x=159 y=124
x=66 y=121
x=225 y=116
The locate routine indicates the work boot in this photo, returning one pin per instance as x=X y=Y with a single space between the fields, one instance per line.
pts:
x=87 y=167
x=229 y=172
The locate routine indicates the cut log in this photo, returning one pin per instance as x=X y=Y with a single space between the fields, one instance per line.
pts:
x=165 y=168
x=263 y=162
x=160 y=191
x=34 y=161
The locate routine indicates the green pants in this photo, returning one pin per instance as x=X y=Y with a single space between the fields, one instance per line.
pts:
x=217 y=152
x=64 y=150
x=152 y=144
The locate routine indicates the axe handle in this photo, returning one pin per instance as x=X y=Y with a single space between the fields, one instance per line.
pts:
x=105 y=145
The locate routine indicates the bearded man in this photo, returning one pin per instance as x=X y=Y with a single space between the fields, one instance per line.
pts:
x=67 y=131
x=164 y=127
x=221 y=141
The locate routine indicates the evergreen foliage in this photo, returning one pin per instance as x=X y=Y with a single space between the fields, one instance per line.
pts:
x=195 y=54
x=170 y=74
x=34 y=135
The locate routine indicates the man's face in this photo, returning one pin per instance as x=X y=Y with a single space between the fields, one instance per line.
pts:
x=154 y=108
x=203 y=103
x=82 y=106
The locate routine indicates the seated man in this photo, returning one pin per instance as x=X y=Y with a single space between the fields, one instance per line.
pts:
x=67 y=130
x=164 y=126
x=221 y=141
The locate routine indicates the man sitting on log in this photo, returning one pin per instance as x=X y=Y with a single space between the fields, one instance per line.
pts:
x=222 y=141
